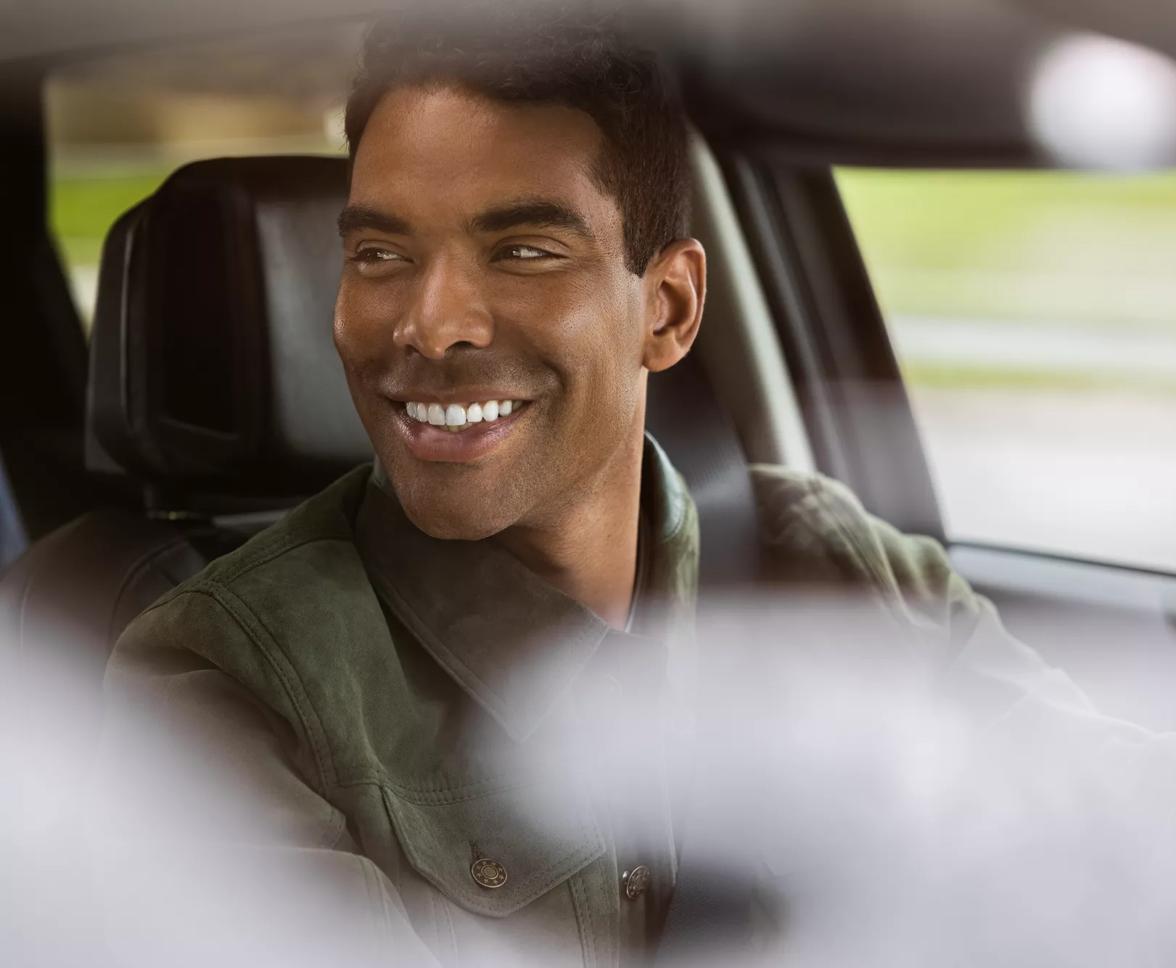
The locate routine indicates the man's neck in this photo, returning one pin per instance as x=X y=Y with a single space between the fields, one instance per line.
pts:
x=589 y=550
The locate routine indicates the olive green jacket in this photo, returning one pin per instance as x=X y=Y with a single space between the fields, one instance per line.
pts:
x=347 y=742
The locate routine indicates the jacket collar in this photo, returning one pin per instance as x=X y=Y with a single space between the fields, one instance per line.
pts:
x=513 y=642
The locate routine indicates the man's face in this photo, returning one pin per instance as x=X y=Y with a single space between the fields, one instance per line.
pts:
x=483 y=263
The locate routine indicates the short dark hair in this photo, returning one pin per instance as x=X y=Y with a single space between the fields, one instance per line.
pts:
x=644 y=163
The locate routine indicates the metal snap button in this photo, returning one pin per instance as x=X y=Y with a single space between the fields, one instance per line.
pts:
x=636 y=881
x=488 y=873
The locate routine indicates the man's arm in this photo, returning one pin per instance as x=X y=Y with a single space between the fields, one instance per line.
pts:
x=211 y=844
x=818 y=526
x=970 y=805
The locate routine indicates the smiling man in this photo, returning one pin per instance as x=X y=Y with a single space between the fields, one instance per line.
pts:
x=424 y=678
x=442 y=709
x=517 y=262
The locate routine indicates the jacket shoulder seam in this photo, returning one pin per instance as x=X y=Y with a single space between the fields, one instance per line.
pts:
x=266 y=643
x=235 y=569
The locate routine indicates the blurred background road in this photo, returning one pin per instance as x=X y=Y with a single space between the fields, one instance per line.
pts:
x=1071 y=447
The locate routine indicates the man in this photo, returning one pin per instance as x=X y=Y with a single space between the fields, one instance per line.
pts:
x=447 y=689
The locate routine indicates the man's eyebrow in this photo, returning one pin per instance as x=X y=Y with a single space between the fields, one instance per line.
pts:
x=355 y=217
x=538 y=212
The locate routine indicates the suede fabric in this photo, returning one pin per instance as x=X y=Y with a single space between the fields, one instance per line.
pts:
x=348 y=711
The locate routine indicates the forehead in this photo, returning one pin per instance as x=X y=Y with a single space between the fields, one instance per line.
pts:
x=440 y=150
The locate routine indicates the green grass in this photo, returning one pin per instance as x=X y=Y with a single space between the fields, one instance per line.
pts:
x=82 y=209
x=940 y=376
x=1044 y=246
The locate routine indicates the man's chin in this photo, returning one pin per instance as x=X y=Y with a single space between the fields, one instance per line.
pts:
x=452 y=522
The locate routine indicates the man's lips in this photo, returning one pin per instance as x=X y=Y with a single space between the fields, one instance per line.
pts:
x=473 y=441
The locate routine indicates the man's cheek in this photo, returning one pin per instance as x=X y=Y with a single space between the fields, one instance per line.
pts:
x=364 y=323
x=350 y=341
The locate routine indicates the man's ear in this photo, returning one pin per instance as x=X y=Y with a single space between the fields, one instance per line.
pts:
x=676 y=288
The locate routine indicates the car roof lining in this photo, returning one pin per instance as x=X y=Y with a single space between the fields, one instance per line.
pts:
x=924 y=82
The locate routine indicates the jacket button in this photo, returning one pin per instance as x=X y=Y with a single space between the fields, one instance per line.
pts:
x=488 y=873
x=636 y=881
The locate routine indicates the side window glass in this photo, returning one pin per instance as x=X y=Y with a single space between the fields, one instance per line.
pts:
x=1034 y=316
x=118 y=127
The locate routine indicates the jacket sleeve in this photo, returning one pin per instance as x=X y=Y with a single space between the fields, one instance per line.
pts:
x=820 y=522
x=1003 y=802
x=209 y=843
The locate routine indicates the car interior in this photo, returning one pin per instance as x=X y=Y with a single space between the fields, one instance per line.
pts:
x=206 y=398
x=220 y=435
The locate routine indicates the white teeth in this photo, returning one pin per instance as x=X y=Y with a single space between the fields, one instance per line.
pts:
x=455 y=416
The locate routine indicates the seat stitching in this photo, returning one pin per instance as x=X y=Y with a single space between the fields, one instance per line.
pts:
x=256 y=631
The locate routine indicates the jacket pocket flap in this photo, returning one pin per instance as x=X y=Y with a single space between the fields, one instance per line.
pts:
x=540 y=834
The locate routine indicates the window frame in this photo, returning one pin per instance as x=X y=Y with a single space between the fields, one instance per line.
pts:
x=43 y=369
x=841 y=360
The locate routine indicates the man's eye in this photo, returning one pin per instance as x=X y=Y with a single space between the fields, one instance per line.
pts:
x=373 y=255
x=524 y=253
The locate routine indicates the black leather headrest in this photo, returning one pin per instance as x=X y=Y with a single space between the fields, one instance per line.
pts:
x=212 y=366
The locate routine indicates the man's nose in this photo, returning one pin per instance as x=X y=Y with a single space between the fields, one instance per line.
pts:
x=448 y=309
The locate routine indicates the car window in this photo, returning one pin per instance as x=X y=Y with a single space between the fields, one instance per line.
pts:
x=1034 y=317
x=119 y=125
